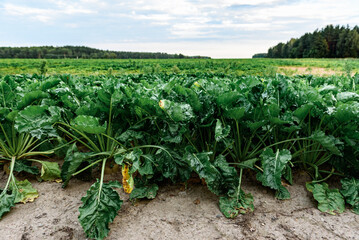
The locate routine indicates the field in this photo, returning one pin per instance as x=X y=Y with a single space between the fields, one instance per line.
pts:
x=185 y=66
x=225 y=132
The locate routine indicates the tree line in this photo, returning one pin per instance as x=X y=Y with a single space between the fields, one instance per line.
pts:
x=329 y=42
x=50 y=52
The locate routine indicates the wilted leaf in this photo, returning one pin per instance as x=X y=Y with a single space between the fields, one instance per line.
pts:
x=231 y=206
x=329 y=200
x=50 y=171
x=24 y=192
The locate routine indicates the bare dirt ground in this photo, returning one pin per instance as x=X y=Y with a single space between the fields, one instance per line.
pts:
x=287 y=70
x=179 y=213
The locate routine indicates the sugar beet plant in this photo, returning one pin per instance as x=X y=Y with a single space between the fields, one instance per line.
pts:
x=157 y=128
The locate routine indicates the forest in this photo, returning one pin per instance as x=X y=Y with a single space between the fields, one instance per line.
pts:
x=329 y=42
x=50 y=52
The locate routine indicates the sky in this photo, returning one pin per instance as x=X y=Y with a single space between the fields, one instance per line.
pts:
x=219 y=29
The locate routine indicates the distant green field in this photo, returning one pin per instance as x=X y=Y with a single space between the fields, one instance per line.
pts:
x=185 y=66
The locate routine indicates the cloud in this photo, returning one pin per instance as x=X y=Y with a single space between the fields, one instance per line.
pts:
x=46 y=15
x=183 y=21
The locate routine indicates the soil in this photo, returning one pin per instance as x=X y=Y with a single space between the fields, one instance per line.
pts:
x=179 y=213
x=287 y=70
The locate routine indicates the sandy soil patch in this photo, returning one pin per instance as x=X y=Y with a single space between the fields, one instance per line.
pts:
x=287 y=70
x=179 y=213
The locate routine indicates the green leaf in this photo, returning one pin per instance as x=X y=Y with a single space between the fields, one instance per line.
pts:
x=130 y=135
x=31 y=97
x=25 y=166
x=24 y=192
x=235 y=113
x=132 y=158
x=221 y=132
x=7 y=201
x=282 y=193
x=99 y=208
x=329 y=200
x=287 y=174
x=309 y=186
x=172 y=165
x=72 y=161
x=229 y=176
x=248 y=163
x=303 y=111
x=347 y=96
x=273 y=165
x=231 y=206
x=36 y=121
x=146 y=167
x=328 y=142
x=177 y=111
x=350 y=191
x=200 y=163
x=7 y=96
x=148 y=192
x=50 y=171
x=88 y=124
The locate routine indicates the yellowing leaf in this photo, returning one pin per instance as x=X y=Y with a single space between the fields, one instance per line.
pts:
x=127 y=179
x=24 y=191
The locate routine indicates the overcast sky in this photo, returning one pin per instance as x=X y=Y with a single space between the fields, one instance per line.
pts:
x=219 y=29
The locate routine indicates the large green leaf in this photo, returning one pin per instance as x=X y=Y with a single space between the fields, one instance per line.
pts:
x=201 y=164
x=347 y=96
x=37 y=120
x=350 y=191
x=7 y=201
x=50 y=171
x=231 y=206
x=88 y=124
x=303 y=111
x=235 y=113
x=329 y=200
x=177 y=111
x=273 y=165
x=72 y=161
x=31 y=97
x=99 y=208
